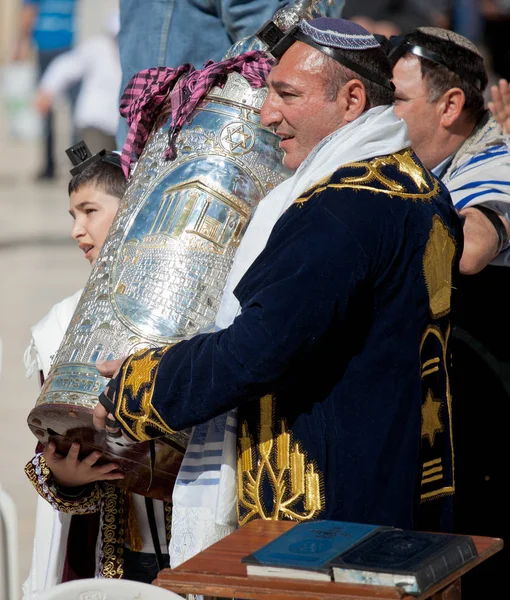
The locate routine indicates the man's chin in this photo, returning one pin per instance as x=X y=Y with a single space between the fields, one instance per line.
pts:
x=291 y=162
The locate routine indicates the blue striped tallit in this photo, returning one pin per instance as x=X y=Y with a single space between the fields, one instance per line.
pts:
x=480 y=174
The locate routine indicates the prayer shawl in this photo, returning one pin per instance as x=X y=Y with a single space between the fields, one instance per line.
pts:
x=204 y=498
x=479 y=173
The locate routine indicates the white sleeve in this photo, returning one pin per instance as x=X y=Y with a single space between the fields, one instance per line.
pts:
x=65 y=69
x=47 y=335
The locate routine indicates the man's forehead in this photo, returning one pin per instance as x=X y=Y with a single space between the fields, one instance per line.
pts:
x=407 y=72
x=300 y=61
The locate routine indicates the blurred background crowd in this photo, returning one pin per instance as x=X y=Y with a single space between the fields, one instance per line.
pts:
x=60 y=78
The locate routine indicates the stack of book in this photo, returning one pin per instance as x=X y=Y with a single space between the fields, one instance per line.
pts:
x=360 y=553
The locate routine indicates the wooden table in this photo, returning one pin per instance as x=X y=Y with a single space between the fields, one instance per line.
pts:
x=218 y=571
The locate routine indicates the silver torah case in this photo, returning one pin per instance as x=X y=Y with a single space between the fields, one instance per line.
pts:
x=161 y=273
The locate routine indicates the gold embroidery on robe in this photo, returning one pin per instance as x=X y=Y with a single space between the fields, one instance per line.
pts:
x=282 y=462
x=41 y=479
x=438 y=261
x=438 y=266
x=433 y=416
x=113 y=532
x=138 y=378
x=426 y=185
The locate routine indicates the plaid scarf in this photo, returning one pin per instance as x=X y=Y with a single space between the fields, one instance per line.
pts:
x=147 y=91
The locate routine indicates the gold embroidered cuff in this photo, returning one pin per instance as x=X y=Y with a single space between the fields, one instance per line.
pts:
x=40 y=476
x=134 y=410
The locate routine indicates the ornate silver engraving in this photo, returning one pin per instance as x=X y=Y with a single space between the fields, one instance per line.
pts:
x=161 y=273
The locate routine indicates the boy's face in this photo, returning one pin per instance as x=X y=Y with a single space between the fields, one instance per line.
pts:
x=93 y=211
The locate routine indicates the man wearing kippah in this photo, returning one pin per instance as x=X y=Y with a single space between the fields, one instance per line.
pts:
x=440 y=78
x=336 y=317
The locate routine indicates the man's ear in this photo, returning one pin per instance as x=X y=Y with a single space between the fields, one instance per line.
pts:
x=352 y=99
x=451 y=105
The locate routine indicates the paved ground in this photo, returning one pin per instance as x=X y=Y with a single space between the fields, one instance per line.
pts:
x=39 y=265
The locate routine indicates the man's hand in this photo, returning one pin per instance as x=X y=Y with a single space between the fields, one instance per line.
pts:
x=109 y=368
x=69 y=471
x=500 y=105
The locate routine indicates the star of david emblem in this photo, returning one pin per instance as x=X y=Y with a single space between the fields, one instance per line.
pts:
x=431 y=420
x=237 y=138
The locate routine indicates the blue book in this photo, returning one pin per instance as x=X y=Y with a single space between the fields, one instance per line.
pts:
x=306 y=550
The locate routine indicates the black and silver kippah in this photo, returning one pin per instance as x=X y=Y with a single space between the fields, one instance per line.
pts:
x=330 y=36
x=81 y=157
x=402 y=45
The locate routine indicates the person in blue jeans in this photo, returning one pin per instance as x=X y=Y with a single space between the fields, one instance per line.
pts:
x=168 y=33
x=49 y=26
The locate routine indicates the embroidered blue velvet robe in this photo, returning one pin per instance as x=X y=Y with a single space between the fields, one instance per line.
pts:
x=338 y=362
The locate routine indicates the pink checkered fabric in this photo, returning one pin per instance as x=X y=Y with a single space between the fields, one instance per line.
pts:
x=148 y=89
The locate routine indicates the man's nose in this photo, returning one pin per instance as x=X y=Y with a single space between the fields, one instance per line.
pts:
x=270 y=116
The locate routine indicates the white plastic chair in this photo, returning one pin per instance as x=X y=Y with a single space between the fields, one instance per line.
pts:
x=9 y=535
x=107 y=589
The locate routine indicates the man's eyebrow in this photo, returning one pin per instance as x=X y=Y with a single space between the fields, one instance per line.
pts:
x=281 y=86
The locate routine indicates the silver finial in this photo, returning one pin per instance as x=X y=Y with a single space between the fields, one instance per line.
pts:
x=295 y=12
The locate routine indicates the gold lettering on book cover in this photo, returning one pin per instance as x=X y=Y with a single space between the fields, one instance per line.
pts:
x=277 y=459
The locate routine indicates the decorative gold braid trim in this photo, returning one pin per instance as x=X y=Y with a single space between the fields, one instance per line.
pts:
x=427 y=185
x=168 y=520
x=137 y=382
x=430 y=424
x=42 y=480
x=279 y=460
x=435 y=495
x=112 y=532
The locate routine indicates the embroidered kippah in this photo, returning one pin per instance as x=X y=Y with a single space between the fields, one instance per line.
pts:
x=450 y=36
x=329 y=36
x=339 y=33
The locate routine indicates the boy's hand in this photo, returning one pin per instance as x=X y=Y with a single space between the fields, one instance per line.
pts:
x=109 y=368
x=69 y=471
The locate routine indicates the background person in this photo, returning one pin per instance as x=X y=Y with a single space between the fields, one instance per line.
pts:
x=50 y=27
x=387 y=17
x=441 y=99
x=95 y=64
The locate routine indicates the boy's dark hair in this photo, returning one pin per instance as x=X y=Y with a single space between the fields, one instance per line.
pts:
x=374 y=59
x=103 y=174
x=462 y=55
